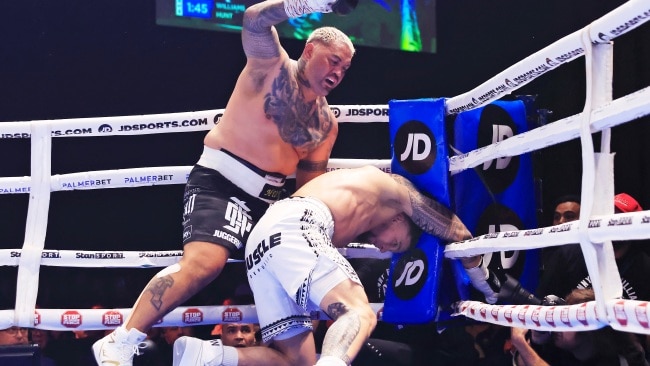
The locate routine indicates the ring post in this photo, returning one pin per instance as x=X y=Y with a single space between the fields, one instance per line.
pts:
x=419 y=153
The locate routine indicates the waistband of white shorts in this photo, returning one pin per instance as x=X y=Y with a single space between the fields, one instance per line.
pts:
x=253 y=180
x=318 y=208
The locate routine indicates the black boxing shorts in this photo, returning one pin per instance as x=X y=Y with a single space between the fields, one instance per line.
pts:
x=224 y=198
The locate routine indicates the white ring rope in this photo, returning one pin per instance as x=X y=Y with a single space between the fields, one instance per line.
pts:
x=624 y=315
x=86 y=319
x=624 y=226
x=168 y=122
x=142 y=177
x=144 y=259
x=600 y=117
x=621 y=110
x=597 y=188
x=618 y=22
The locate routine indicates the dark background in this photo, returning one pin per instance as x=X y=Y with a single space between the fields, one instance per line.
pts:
x=109 y=58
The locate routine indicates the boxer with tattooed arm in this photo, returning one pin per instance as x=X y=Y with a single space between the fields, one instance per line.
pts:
x=277 y=122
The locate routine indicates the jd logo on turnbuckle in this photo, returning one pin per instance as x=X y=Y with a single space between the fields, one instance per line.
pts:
x=497 y=125
x=410 y=274
x=415 y=147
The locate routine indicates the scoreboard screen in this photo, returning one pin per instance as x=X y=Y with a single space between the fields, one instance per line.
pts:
x=407 y=25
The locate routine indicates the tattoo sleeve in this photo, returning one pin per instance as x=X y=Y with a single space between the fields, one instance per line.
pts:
x=259 y=39
x=342 y=332
x=432 y=216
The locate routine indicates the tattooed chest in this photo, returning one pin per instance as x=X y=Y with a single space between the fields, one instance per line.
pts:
x=304 y=133
x=299 y=123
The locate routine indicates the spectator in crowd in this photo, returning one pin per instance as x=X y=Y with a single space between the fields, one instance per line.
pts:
x=565 y=209
x=42 y=337
x=566 y=270
x=14 y=336
x=239 y=334
x=17 y=336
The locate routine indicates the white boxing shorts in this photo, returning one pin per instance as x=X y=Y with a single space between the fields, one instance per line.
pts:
x=291 y=265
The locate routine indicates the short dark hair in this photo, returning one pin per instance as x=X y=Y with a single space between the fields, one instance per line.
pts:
x=566 y=198
x=363 y=238
x=416 y=232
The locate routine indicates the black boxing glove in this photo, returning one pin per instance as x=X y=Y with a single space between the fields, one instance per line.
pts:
x=512 y=292
x=499 y=286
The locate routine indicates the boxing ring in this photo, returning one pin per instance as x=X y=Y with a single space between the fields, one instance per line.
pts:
x=594 y=231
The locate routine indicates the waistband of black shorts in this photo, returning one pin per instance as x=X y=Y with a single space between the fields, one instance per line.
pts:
x=253 y=180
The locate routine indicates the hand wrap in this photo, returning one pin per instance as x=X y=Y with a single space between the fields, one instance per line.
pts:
x=296 y=8
x=485 y=282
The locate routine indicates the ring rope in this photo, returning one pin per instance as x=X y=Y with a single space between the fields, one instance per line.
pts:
x=623 y=226
x=614 y=24
x=145 y=259
x=167 y=122
x=625 y=315
x=598 y=253
x=143 y=177
x=619 y=111
x=90 y=319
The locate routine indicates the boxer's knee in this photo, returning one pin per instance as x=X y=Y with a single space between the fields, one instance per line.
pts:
x=203 y=260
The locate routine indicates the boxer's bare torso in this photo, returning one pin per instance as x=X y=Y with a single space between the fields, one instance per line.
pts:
x=368 y=201
x=277 y=114
x=271 y=124
x=359 y=200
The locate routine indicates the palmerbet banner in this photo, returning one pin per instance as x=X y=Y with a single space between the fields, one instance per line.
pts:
x=419 y=153
x=498 y=195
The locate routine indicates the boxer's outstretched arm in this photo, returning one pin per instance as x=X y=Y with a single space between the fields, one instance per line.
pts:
x=436 y=219
x=259 y=38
